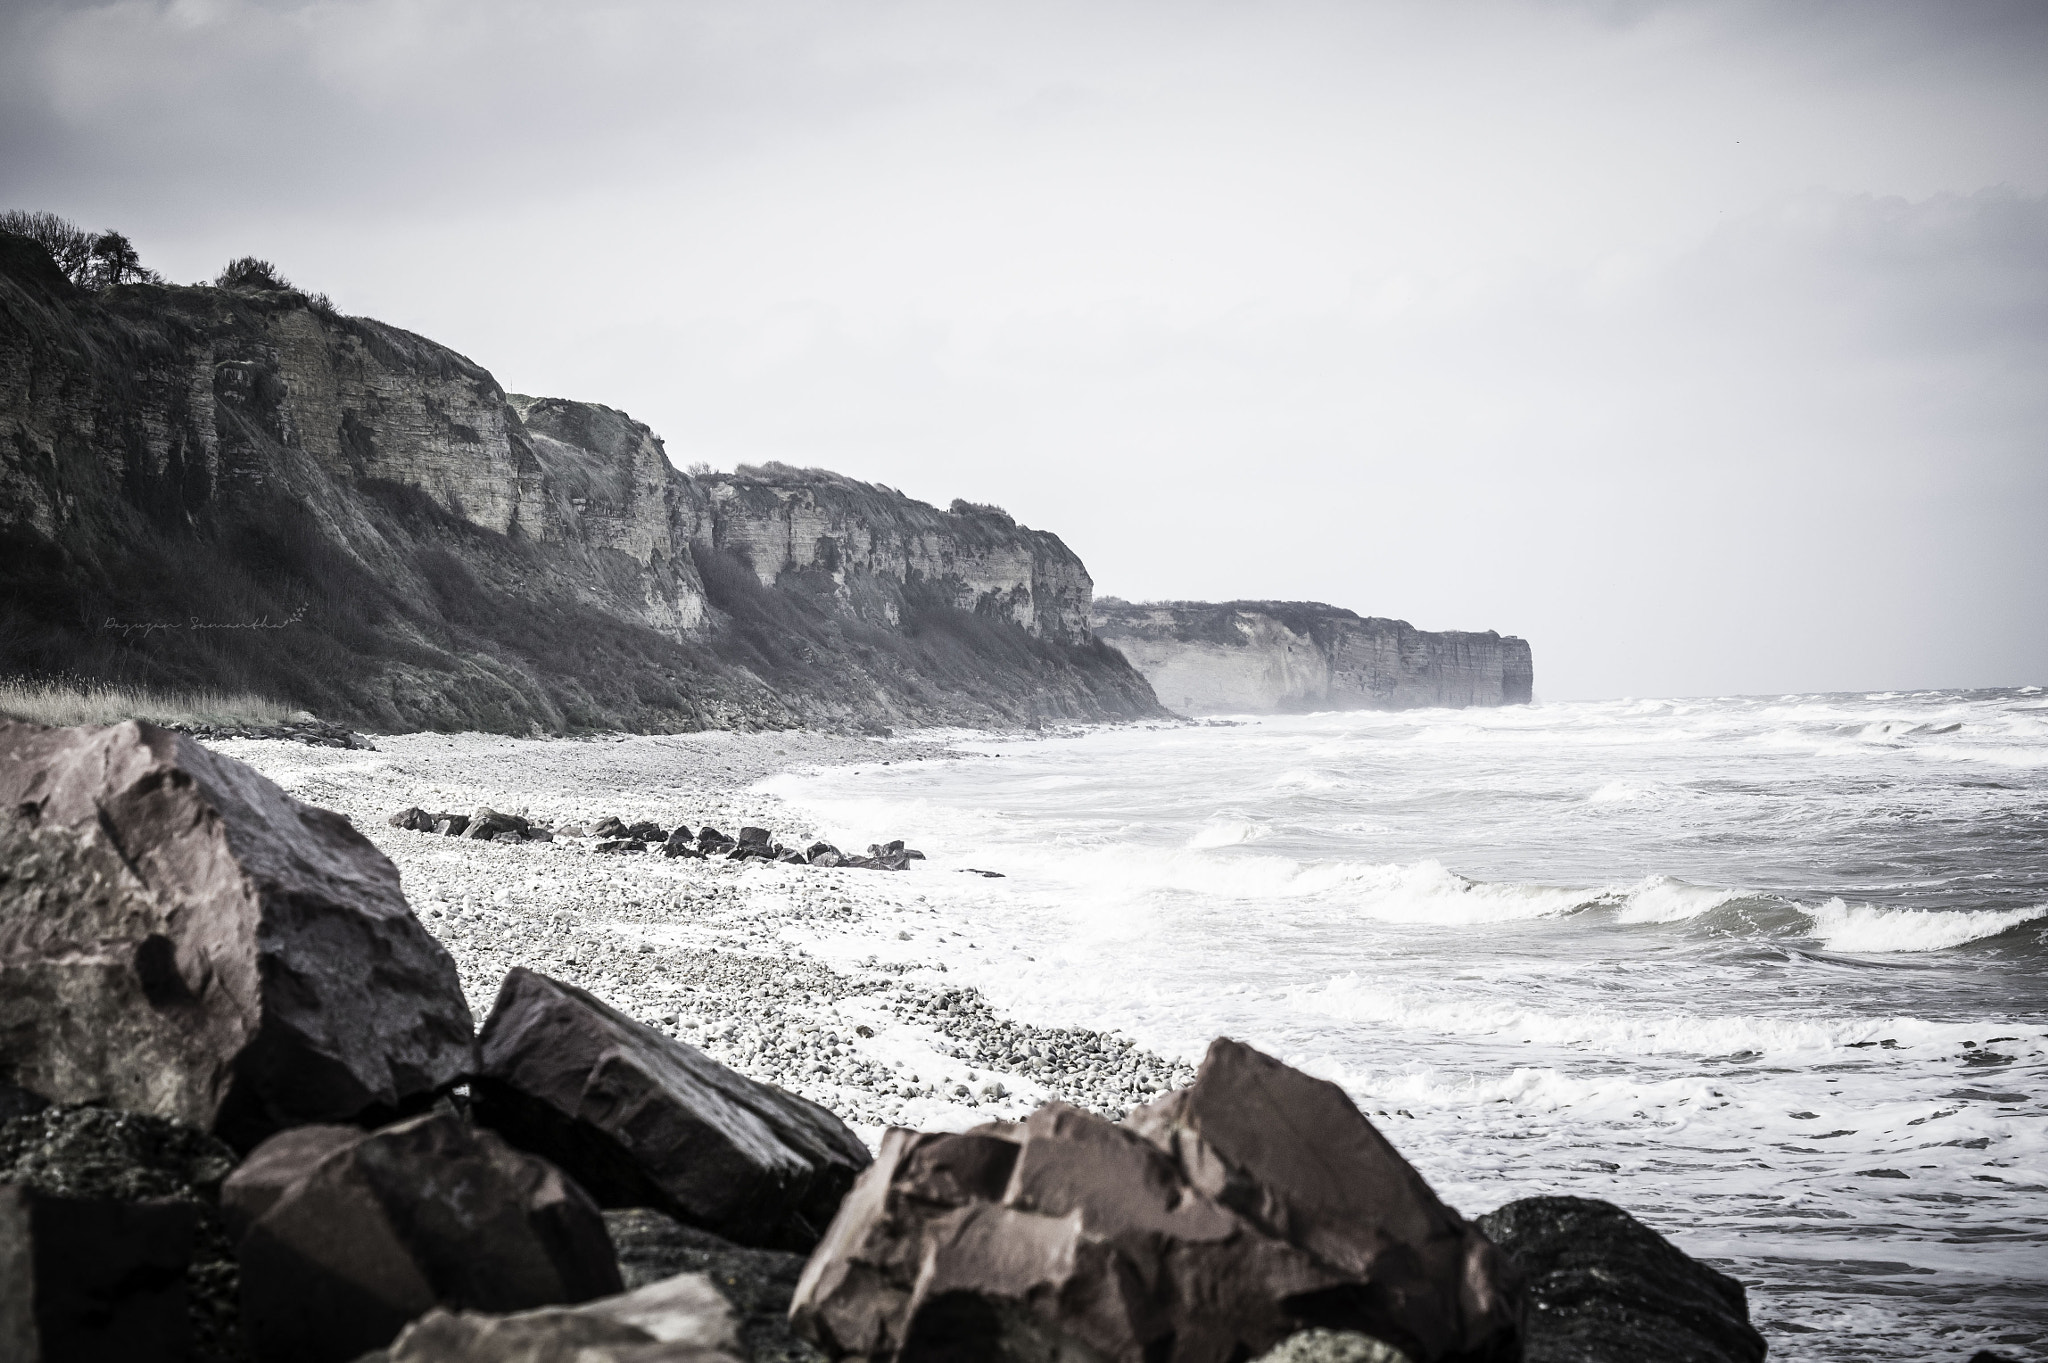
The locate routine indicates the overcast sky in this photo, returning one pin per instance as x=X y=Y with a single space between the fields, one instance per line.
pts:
x=1703 y=345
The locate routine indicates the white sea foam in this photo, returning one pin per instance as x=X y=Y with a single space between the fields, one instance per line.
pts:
x=1865 y=928
x=1661 y=899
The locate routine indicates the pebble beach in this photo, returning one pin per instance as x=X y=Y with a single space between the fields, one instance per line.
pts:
x=760 y=965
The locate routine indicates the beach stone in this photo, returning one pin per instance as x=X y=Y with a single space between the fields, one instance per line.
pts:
x=610 y=826
x=451 y=825
x=379 y=1229
x=414 y=819
x=757 y=837
x=92 y=1280
x=178 y=936
x=644 y=1120
x=486 y=824
x=1605 y=1288
x=1296 y=1157
x=682 y=1319
x=648 y=831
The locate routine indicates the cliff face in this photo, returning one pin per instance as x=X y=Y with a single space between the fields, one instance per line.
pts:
x=1289 y=656
x=238 y=489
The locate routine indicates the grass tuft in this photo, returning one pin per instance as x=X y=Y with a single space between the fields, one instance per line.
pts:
x=67 y=701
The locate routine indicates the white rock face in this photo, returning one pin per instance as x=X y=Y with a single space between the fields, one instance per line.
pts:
x=1268 y=657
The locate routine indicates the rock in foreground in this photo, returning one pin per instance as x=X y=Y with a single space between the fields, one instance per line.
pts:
x=678 y=1320
x=643 y=1120
x=1252 y=1206
x=178 y=936
x=1605 y=1288
x=376 y=1230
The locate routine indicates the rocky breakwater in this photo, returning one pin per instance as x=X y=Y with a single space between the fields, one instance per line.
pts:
x=238 y=487
x=580 y=1187
x=1267 y=657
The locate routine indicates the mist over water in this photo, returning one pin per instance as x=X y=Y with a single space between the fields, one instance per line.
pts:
x=1766 y=972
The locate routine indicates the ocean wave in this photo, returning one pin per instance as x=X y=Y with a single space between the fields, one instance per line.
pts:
x=1868 y=928
x=1665 y=899
x=1226 y=832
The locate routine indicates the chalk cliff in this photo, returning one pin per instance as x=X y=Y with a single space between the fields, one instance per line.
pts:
x=240 y=488
x=1262 y=657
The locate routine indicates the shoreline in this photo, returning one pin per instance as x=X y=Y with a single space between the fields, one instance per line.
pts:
x=712 y=952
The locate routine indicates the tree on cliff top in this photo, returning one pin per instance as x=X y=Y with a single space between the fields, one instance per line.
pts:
x=91 y=260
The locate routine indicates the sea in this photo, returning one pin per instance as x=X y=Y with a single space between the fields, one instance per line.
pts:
x=1771 y=973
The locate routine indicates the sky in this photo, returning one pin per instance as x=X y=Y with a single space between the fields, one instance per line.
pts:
x=1704 y=345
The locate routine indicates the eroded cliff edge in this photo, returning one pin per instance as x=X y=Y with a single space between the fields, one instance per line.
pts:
x=1264 y=657
x=241 y=489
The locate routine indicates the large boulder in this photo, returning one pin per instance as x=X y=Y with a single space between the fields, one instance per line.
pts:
x=1191 y=1235
x=379 y=1229
x=91 y=1280
x=1605 y=1288
x=681 y=1319
x=178 y=936
x=643 y=1120
x=1298 y=1159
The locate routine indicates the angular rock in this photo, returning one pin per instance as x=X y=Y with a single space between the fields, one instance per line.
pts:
x=620 y=845
x=179 y=936
x=681 y=1319
x=643 y=1120
x=1294 y=1155
x=1254 y=1205
x=486 y=823
x=379 y=1229
x=87 y=1280
x=415 y=819
x=822 y=854
x=711 y=840
x=1604 y=1288
x=266 y=1172
x=756 y=836
x=610 y=826
x=648 y=831
x=451 y=825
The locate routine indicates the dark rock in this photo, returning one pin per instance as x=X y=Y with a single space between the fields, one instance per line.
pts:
x=508 y=837
x=179 y=936
x=274 y=1166
x=680 y=847
x=19 y=1102
x=380 y=1229
x=648 y=831
x=1222 y=1221
x=794 y=858
x=643 y=1120
x=681 y=833
x=610 y=826
x=1296 y=1156
x=451 y=825
x=486 y=823
x=1605 y=1288
x=758 y=1282
x=537 y=834
x=913 y=854
x=755 y=836
x=681 y=1319
x=86 y=1280
x=711 y=837
x=92 y=1156
x=620 y=845
x=414 y=819
x=818 y=850
x=975 y=871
